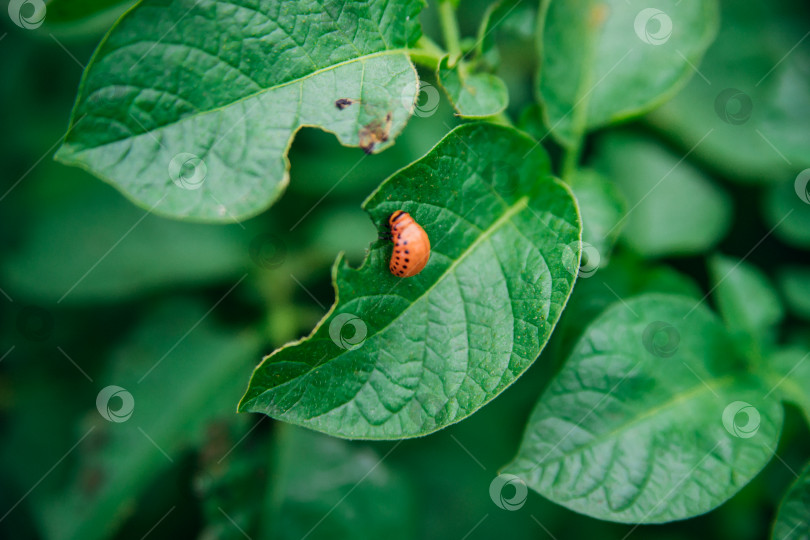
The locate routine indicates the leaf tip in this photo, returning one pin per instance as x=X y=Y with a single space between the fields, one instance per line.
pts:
x=63 y=154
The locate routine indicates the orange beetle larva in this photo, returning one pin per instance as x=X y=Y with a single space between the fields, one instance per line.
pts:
x=411 y=245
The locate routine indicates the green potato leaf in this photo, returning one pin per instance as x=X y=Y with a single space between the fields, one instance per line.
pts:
x=297 y=484
x=793 y=282
x=788 y=372
x=399 y=358
x=511 y=17
x=107 y=250
x=793 y=520
x=606 y=60
x=625 y=276
x=651 y=419
x=602 y=207
x=750 y=106
x=156 y=412
x=787 y=210
x=189 y=107
x=474 y=95
x=673 y=208
x=340 y=498
x=746 y=299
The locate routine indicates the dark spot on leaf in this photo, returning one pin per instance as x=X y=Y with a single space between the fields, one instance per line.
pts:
x=342 y=103
x=374 y=132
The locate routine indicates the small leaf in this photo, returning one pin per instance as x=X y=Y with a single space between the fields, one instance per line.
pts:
x=787 y=210
x=746 y=299
x=189 y=108
x=595 y=70
x=789 y=376
x=793 y=520
x=511 y=17
x=673 y=209
x=793 y=282
x=474 y=95
x=400 y=357
x=602 y=207
x=649 y=420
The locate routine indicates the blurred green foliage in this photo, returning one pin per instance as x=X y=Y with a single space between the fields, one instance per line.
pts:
x=95 y=292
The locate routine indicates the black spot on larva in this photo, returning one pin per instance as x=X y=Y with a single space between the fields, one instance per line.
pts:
x=406 y=260
x=406 y=251
x=399 y=235
x=405 y=267
x=404 y=242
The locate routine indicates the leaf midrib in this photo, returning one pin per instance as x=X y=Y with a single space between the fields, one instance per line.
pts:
x=512 y=211
x=246 y=98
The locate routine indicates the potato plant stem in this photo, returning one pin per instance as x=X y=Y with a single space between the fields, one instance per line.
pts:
x=447 y=19
x=427 y=54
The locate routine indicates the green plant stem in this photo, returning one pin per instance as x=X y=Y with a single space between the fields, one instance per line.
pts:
x=447 y=19
x=425 y=59
x=580 y=111
x=428 y=45
x=427 y=54
x=571 y=159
